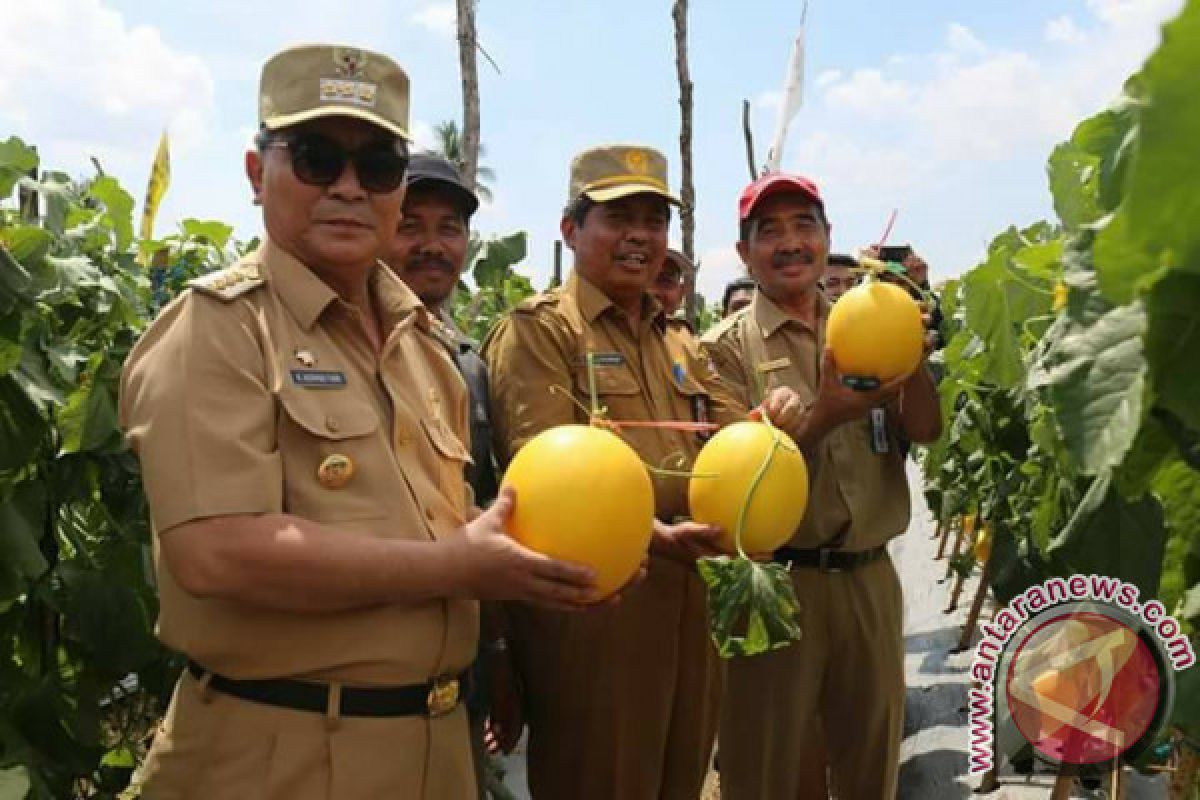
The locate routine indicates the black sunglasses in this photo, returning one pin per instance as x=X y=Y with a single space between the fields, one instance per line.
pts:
x=319 y=161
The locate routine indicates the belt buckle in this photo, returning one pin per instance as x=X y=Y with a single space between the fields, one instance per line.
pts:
x=442 y=697
x=823 y=561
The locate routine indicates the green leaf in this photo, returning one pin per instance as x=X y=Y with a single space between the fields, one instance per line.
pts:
x=1162 y=198
x=998 y=300
x=107 y=619
x=1111 y=536
x=1186 y=714
x=1095 y=378
x=211 y=231
x=752 y=607
x=89 y=420
x=119 y=757
x=1177 y=487
x=21 y=425
x=17 y=160
x=1124 y=264
x=15 y=281
x=496 y=258
x=14 y=781
x=118 y=206
x=1173 y=342
x=22 y=525
x=26 y=243
x=1072 y=174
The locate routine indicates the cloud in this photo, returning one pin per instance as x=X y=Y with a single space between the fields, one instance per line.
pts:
x=771 y=101
x=108 y=88
x=718 y=266
x=960 y=39
x=423 y=136
x=441 y=18
x=869 y=93
x=827 y=77
x=1063 y=30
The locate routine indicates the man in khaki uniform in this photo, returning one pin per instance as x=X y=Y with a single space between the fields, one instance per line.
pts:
x=301 y=434
x=845 y=678
x=621 y=703
x=429 y=253
x=671 y=284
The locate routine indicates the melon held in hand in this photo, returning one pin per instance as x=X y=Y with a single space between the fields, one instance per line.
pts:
x=583 y=495
x=757 y=467
x=875 y=331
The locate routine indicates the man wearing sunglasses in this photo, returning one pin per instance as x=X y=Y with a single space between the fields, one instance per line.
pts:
x=300 y=430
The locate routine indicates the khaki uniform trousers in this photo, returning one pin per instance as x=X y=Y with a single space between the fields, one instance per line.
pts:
x=212 y=746
x=622 y=702
x=843 y=682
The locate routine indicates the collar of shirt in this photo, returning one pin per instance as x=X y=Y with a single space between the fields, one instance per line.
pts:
x=592 y=302
x=307 y=296
x=770 y=317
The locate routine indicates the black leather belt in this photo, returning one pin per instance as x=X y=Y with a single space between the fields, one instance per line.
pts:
x=439 y=696
x=828 y=559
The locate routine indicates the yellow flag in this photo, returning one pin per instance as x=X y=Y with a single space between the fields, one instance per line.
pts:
x=156 y=186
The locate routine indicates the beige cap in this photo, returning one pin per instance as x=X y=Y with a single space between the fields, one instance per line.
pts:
x=322 y=80
x=619 y=170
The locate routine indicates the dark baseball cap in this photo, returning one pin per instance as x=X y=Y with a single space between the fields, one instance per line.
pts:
x=775 y=183
x=433 y=171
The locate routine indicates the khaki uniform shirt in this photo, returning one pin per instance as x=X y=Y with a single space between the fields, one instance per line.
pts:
x=655 y=372
x=858 y=499
x=235 y=397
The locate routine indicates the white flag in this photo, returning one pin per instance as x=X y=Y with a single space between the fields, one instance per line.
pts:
x=793 y=97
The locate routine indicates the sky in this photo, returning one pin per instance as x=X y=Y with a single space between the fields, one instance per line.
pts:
x=944 y=111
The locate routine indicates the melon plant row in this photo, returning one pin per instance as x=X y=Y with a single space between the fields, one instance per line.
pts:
x=1071 y=392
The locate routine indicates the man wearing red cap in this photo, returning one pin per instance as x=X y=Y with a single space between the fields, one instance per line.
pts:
x=844 y=681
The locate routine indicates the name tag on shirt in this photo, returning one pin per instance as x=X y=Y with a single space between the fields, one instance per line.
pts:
x=777 y=364
x=879 y=439
x=608 y=359
x=318 y=378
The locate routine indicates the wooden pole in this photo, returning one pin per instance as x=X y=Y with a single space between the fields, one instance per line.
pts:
x=749 y=136
x=687 y=192
x=556 y=278
x=467 y=44
x=1063 y=785
x=972 y=622
x=958 y=540
x=953 y=523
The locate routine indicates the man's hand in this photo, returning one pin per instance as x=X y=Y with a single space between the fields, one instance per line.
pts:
x=783 y=407
x=837 y=403
x=685 y=541
x=496 y=567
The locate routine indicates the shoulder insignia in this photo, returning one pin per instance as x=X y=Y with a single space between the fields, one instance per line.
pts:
x=722 y=328
x=229 y=283
x=539 y=301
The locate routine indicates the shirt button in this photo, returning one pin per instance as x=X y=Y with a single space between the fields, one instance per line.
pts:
x=429 y=513
x=332 y=424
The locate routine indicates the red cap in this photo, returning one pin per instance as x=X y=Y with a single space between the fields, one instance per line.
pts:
x=774 y=183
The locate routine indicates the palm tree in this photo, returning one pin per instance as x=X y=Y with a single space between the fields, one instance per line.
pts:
x=449 y=145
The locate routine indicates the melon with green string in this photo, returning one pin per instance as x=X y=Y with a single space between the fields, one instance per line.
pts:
x=750 y=478
x=583 y=495
x=876 y=333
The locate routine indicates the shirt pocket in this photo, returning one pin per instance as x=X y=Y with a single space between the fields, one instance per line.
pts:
x=617 y=391
x=452 y=458
x=695 y=403
x=335 y=461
